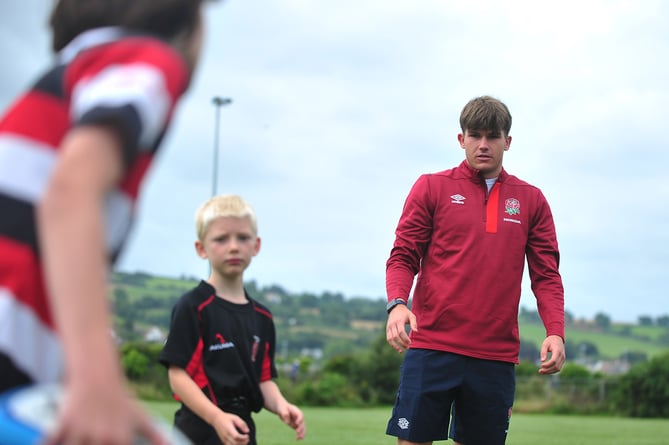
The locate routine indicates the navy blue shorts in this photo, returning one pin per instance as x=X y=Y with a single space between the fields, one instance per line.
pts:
x=436 y=387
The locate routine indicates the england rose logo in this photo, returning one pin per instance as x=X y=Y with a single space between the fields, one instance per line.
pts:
x=512 y=206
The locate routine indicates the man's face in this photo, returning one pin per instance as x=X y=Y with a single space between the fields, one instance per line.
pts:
x=484 y=150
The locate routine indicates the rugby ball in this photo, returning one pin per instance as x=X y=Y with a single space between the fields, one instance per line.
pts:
x=29 y=413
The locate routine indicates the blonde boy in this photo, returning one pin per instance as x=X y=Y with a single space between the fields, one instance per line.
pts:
x=220 y=349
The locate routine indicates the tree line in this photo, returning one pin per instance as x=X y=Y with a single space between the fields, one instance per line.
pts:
x=358 y=368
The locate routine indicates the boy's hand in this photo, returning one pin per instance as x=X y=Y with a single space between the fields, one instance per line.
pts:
x=231 y=429
x=292 y=416
x=106 y=415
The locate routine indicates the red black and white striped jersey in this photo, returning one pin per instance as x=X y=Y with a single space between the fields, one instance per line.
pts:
x=105 y=76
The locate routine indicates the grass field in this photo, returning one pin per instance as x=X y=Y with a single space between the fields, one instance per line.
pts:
x=326 y=426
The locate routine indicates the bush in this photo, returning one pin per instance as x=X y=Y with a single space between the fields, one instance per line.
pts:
x=135 y=364
x=526 y=369
x=330 y=390
x=644 y=390
x=574 y=371
x=146 y=374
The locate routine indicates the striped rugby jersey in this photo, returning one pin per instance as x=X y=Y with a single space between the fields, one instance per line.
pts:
x=103 y=76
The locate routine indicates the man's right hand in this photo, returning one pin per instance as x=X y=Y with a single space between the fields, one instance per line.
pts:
x=396 y=335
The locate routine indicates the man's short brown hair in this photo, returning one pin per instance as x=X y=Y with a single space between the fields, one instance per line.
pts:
x=485 y=113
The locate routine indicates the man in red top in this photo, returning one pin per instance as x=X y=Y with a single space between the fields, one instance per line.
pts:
x=466 y=232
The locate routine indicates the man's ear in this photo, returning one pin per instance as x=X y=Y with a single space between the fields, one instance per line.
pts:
x=257 y=247
x=461 y=140
x=508 y=143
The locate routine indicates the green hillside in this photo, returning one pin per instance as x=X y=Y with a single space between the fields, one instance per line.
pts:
x=335 y=324
x=610 y=344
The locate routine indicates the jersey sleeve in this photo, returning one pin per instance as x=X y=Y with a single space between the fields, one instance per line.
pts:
x=412 y=237
x=131 y=85
x=543 y=260
x=183 y=341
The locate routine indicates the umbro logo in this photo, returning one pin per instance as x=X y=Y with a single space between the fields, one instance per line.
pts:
x=403 y=423
x=457 y=199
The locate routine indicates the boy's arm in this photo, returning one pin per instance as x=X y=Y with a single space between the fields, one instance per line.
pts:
x=97 y=407
x=229 y=427
x=290 y=414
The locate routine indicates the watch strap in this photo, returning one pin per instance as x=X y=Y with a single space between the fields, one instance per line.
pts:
x=394 y=302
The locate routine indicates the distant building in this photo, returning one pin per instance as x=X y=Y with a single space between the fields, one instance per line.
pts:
x=315 y=353
x=154 y=335
x=610 y=367
x=272 y=297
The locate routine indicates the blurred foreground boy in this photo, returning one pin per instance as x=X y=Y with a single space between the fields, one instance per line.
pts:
x=220 y=349
x=74 y=149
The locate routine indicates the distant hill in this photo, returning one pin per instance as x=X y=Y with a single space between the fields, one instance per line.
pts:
x=333 y=324
x=610 y=344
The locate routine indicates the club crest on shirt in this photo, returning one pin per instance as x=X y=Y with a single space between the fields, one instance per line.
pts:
x=254 y=351
x=512 y=206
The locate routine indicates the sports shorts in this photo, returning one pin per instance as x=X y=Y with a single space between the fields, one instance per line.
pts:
x=436 y=387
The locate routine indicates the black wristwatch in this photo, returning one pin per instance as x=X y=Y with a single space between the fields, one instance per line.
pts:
x=394 y=302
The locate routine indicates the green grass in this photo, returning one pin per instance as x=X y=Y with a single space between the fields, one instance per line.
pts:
x=326 y=426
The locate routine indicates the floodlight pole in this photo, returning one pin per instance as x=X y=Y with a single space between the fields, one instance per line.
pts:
x=218 y=103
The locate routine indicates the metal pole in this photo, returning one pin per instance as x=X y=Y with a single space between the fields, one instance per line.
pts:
x=218 y=103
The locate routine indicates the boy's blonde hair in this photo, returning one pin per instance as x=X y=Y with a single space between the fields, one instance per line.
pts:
x=223 y=206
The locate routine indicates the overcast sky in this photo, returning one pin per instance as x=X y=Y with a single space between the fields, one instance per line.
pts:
x=338 y=107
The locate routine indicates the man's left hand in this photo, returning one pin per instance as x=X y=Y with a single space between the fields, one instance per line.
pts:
x=554 y=345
